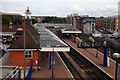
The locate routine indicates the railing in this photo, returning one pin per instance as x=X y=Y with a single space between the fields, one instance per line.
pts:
x=10 y=72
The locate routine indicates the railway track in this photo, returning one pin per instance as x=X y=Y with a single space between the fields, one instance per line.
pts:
x=89 y=68
x=73 y=70
x=86 y=70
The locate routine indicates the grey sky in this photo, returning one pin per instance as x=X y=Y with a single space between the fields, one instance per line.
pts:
x=63 y=7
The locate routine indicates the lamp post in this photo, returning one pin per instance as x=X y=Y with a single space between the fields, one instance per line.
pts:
x=27 y=17
x=116 y=56
x=28 y=14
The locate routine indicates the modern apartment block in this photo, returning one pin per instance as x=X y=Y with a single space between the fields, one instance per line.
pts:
x=107 y=23
x=111 y=23
x=72 y=19
x=75 y=20
x=82 y=22
x=88 y=24
x=118 y=21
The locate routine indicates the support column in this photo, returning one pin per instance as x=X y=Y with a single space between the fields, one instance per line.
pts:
x=116 y=70
x=47 y=54
x=53 y=66
x=105 y=56
x=50 y=61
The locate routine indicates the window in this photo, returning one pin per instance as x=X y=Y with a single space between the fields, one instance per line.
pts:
x=28 y=54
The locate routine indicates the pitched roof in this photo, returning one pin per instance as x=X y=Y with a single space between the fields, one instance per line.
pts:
x=5 y=28
x=29 y=43
x=31 y=39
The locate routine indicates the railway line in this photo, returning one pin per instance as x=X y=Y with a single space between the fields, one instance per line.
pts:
x=71 y=67
x=84 y=69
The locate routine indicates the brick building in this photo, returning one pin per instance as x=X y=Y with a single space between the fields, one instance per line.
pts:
x=118 y=21
x=97 y=22
x=16 y=50
x=14 y=18
x=107 y=23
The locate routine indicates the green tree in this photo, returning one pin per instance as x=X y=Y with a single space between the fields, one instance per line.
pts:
x=55 y=19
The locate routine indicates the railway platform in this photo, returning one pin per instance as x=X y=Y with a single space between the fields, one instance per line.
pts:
x=90 y=54
x=60 y=71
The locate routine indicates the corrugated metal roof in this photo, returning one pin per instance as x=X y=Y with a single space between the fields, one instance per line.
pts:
x=48 y=39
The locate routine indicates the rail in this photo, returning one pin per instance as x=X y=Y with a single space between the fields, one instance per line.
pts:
x=10 y=72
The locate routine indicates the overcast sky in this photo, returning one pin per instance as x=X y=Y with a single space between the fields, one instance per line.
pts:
x=62 y=7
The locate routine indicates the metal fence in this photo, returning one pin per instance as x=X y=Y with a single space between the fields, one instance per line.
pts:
x=8 y=72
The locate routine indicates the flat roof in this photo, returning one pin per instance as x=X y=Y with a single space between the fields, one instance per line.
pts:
x=49 y=41
x=71 y=30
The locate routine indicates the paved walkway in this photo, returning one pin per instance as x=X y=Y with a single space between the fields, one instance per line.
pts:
x=98 y=61
x=60 y=71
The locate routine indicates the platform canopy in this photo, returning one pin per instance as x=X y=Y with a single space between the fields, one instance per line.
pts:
x=71 y=30
x=49 y=41
x=6 y=33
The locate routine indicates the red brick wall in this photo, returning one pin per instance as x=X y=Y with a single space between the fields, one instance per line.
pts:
x=79 y=26
x=98 y=23
x=17 y=58
x=35 y=58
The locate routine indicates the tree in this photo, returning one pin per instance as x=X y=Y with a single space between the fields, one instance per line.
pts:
x=14 y=19
x=55 y=19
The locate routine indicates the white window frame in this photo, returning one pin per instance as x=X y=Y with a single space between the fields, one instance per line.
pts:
x=27 y=54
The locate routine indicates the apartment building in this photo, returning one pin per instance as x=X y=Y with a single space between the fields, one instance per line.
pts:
x=75 y=20
x=118 y=21
x=107 y=23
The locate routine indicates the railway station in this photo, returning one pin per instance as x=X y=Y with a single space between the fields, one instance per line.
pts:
x=70 y=32
x=38 y=53
x=90 y=55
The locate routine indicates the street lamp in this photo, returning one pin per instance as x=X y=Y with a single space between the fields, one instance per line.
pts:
x=28 y=14
x=27 y=17
x=116 y=56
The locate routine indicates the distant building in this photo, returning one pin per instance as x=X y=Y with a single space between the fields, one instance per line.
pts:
x=75 y=20
x=107 y=23
x=39 y=19
x=14 y=18
x=118 y=21
x=88 y=24
x=97 y=22
x=111 y=23
x=118 y=24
